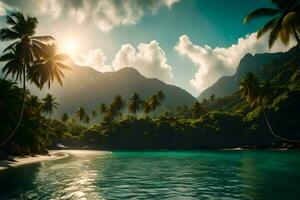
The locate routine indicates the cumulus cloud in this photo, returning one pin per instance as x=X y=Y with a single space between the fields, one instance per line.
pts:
x=216 y=62
x=93 y=58
x=149 y=59
x=106 y=14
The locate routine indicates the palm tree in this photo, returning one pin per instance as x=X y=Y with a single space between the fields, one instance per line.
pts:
x=35 y=104
x=48 y=67
x=49 y=104
x=154 y=102
x=146 y=108
x=135 y=103
x=26 y=47
x=118 y=104
x=197 y=110
x=103 y=108
x=283 y=25
x=160 y=96
x=255 y=94
x=65 y=117
x=81 y=113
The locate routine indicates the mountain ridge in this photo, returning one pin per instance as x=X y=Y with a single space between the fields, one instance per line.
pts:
x=227 y=85
x=84 y=86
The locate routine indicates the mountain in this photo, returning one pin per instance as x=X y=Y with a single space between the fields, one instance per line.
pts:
x=84 y=86
x=227 y=85
x=283 y=72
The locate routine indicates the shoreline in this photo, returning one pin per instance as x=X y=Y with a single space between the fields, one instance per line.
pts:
x=59 y=154
x=20 y=161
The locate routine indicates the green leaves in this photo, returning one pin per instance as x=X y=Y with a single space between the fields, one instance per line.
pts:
x=261 y=12
x=283 y=26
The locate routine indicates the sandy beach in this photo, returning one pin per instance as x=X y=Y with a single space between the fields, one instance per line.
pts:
x=53 y=155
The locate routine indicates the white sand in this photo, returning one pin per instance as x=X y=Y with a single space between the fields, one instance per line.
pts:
x=53 y=155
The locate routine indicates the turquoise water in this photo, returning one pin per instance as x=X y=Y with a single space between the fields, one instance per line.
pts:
x=158 y=175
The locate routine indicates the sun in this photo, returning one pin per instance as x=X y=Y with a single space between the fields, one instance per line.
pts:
x=70 y=46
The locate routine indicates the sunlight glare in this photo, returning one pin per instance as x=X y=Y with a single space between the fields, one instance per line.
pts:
x=70 y=47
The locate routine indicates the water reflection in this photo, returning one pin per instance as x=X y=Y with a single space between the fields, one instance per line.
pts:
x=157 y=175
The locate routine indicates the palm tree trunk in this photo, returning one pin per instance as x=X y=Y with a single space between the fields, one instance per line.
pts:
x=5 y=142
x=271 y=129
x=296 y=34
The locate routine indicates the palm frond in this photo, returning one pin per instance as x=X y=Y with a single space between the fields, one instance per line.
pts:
x=261 y=12
x=43 y=38
x=267 y=27
x=290 y=19
x=275 y=33
x=7 y=34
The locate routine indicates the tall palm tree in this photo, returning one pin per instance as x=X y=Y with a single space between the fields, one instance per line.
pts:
x=154 y=102
x=284 y=24
x=146 y=108
x=34 y=104
x=26 y=46
x=48 y=67
x=65 y=117
x=118 y=104
x=81 y=113
x=161 y=95
x=255 y=94
x=49 y=104
x=135 y=103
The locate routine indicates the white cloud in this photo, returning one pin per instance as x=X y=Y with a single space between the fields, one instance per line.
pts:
x=216 y=62
x=149 y=59
x=93 y=58
x=3 y=8
x=106 y=14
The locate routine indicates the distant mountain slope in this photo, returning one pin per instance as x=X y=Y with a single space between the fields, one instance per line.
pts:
x=83 y=86
x=227 y=85
x=283 y=72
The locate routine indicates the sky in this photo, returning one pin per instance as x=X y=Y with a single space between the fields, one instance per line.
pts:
x=188 y=43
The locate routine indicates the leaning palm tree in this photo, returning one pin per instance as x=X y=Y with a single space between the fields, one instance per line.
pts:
x=26 y=46
x=49 y=104
x=255 y=94
x=48 y=67
x=284 y=24
x=135 y=103
x=81 y=113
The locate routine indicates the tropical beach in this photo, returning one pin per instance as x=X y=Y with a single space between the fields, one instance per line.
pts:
x=155 y=99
